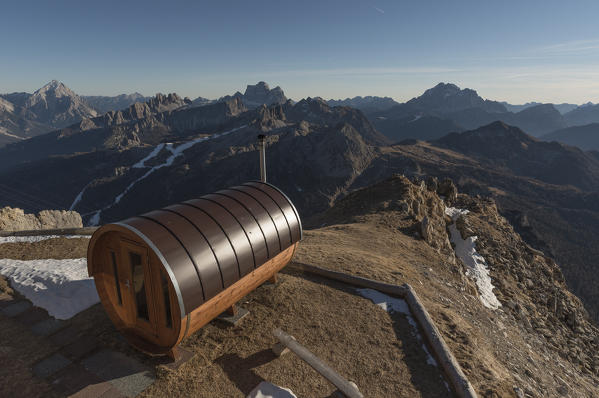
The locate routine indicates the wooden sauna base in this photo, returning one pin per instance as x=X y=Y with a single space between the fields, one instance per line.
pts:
x=230 y=296
x=224 y=301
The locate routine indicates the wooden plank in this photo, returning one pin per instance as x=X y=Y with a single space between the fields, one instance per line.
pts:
x=60 y=231
x=353 y=280
x=450 y=365
x=325 y=370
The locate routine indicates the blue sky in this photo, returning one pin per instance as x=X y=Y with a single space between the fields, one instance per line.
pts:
x=506 y=50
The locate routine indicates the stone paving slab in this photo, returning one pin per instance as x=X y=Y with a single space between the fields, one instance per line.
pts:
x=50 y=365
x=32 y=316
x=80 y=347
x=65 y=336
x=16 y=308
x=184 y=357
x=74 y=380
x=233 y=319
x=112 y=393
x=127 y=375
x=47 y=326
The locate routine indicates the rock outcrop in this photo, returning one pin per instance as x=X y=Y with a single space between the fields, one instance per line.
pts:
x=12 y=219
x=530 y=285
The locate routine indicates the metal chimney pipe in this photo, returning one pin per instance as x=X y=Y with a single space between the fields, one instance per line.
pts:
x=262 y=145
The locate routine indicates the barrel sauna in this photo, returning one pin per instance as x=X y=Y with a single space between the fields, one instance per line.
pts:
x=163 y=275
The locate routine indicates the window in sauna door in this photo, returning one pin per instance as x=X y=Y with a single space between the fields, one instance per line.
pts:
x=139 y=286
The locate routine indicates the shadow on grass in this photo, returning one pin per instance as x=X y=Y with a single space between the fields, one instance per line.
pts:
x=240 y=370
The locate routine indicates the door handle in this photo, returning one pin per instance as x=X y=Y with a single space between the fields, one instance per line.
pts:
x=127 y=283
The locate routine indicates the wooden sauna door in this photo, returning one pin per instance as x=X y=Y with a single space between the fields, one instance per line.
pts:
x=138 y=287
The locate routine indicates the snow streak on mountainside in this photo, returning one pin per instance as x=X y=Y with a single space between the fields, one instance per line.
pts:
x=175 y=152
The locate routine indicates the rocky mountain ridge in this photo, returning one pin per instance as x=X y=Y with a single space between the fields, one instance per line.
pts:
x=563 y=108
x=583 y=115
x=166 y=118
x=103 y=103
x=547 y=190
x=365 y=104
x=446 y=108
x=585 y=137
x=440 y=110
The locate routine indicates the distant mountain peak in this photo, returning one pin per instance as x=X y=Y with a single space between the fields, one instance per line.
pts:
x=260 y=86
x=449 y=89
x=258 y=94
x=55 y=88
x=445 y=87
x=499 y=128
x=448 y=97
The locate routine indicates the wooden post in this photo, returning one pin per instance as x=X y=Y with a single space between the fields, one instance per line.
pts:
x=274 y=279
x=232 y=310
x=346 y=387
x=174 y=354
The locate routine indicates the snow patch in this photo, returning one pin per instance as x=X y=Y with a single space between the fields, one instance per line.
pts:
x=61 y=287
x=478 y=268
x=394 y=304
x=38 y=238
x=268 y=390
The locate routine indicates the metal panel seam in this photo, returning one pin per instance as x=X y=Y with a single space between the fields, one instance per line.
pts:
x=184 y=248
x=244 y=231
x=288 y=200
x=275 y=202
x=209 y=245
x=222 y=229
x=267 y=212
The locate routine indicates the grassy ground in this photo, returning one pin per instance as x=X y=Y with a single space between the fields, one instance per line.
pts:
x=360 y=340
